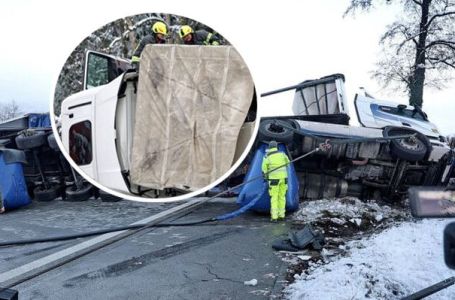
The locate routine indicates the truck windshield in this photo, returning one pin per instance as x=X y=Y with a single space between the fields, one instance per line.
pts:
x=409 y=113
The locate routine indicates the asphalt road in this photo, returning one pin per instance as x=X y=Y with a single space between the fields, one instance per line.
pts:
x=199 y=262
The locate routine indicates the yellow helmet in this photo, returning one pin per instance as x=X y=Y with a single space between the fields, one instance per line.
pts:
x=185 y=30
x=159 y=27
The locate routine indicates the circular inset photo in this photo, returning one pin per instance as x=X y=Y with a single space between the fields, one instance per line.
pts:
x=154 y=106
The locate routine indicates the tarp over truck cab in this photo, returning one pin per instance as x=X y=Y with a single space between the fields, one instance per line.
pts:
x=191 y=104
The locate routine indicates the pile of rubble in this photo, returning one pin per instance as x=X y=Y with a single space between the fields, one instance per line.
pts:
x=340 y=220
x=342 y=216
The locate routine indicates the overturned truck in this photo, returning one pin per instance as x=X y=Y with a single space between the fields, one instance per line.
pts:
x=32 y=167
x=363 y=161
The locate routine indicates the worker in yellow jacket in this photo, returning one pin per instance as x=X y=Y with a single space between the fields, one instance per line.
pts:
x=276 y=163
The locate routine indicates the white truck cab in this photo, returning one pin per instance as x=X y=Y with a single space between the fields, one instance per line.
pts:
x=97 y=125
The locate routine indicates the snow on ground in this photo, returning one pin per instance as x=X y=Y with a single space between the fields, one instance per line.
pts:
x=389 y=265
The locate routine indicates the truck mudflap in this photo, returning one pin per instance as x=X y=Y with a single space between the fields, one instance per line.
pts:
x=13 y=189
x=250 y=191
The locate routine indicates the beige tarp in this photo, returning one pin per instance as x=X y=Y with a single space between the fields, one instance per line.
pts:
x=191 y=103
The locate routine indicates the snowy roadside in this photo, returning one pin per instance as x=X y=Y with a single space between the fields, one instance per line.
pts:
x=388 y=265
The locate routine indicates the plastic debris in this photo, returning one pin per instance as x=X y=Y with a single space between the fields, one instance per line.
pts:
x=305 y=257
x=300 y=240
x=252 y=282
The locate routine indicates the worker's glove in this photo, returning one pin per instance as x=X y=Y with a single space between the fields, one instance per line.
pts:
x=135 y=66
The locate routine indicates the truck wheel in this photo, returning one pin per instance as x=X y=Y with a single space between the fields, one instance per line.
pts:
x=293 y=123
x=271 y=130
x=52 y=142
x=28 y=141
x=297 y=138
x=72 y=193
x=106 y=197
x=410 y=149
x=45 y=195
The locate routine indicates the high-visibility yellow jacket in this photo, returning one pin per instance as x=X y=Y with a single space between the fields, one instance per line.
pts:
x=272 y=160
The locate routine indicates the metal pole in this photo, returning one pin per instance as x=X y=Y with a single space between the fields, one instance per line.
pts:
x=431 y=289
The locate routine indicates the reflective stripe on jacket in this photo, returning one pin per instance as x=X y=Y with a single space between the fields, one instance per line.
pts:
x=272 y=160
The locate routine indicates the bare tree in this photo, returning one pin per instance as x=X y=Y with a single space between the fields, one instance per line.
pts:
x=419 y=48
x=9 y=110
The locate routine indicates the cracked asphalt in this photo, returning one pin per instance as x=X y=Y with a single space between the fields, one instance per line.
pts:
x=199 y=262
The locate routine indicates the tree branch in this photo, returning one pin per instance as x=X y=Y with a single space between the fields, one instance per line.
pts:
x=445 y=61
x=439 y=16
x=449 y=44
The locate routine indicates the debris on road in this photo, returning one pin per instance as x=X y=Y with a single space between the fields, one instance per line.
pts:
x=252 y=282
x=304 y=257
x=299 y=240
x=340 y=220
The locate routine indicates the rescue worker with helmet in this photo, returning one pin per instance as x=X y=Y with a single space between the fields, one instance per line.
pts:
x=198 y=37
x=158 y=36
x=274 y=168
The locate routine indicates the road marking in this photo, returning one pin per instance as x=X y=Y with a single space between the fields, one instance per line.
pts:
x=20 y=274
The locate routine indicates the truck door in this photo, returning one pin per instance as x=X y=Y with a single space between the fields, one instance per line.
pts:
x=100 y=68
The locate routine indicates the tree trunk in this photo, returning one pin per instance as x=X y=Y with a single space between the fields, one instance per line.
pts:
x=418 y=77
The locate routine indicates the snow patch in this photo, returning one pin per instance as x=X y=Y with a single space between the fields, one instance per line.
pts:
x=390 y=265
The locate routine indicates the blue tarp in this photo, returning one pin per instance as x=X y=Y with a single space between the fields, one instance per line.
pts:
x=251 y=190
x=39 y=121
x=13 y=188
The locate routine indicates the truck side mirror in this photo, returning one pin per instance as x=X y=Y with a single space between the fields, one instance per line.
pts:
x=449 y=245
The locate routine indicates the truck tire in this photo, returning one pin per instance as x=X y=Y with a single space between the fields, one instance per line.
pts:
x=106 y=197
x=52 y=142
x=73 y=194
x=270 y=130
x=45 y=195
x=297 y=138
x=293 y=123
x=35 y=140
x=412 y=150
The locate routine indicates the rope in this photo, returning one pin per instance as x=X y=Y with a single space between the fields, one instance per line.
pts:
x=145 y=226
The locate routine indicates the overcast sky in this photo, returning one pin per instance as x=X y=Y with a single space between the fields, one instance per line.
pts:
x=283 y=44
